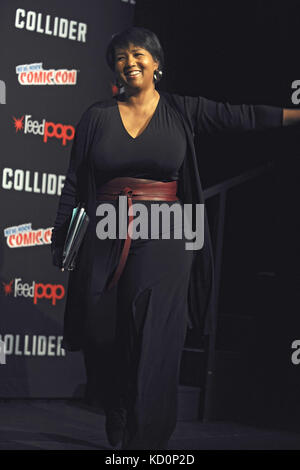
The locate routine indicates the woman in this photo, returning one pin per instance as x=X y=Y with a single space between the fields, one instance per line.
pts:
x=141 y=144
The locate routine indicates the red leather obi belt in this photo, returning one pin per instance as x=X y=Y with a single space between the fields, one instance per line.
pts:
x=137 y=189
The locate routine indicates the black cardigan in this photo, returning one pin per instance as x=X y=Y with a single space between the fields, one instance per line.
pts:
x=198 y=115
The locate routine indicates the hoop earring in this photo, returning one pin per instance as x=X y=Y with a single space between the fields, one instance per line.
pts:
x=157 y=75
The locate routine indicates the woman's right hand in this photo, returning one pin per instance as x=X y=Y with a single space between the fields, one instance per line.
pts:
x=57 y=256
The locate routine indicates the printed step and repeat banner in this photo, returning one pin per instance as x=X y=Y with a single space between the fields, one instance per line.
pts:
x=52 y=68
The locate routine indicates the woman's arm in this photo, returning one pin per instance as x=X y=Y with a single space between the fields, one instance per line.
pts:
x=291 y=116
x=210 y=116
x=69 y=197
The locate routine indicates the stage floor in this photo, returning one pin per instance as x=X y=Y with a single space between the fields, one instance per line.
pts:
x=72 y=425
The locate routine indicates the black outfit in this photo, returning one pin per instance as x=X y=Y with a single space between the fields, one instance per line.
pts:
x=152 y=290
x=157 y=153
x=160 y=286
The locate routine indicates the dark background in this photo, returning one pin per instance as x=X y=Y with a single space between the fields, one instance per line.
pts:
x=241 y=52
x=246 y=52
x=45 y=376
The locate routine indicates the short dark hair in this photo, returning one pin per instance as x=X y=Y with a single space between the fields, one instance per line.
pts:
x=138 y=36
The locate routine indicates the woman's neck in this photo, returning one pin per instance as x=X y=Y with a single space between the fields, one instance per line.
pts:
x=140 y=99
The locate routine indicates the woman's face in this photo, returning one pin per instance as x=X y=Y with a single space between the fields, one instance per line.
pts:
x=134 y=67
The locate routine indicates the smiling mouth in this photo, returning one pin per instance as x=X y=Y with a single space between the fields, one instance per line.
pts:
x=133 y=73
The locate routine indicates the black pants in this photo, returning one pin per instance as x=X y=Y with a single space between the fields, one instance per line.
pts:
x=150 y=332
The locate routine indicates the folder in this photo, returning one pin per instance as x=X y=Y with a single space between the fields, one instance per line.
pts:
x=76 y=232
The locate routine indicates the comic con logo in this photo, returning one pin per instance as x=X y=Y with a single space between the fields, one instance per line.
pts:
x=23 y=235
x=47 y=129
x=34 y=74
x=37 y=290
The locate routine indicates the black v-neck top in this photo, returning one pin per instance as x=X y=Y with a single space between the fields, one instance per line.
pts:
x=157 y=153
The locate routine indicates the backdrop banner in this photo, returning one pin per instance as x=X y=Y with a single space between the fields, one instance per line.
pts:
x=52 y=68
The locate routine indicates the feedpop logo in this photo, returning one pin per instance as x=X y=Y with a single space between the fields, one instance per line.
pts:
x=47 y=129
x=36 y=291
